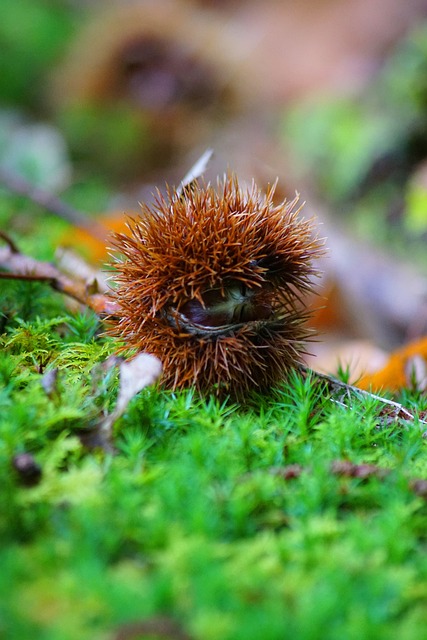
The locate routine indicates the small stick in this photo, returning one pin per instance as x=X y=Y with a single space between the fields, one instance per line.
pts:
x=394 y=410
x=48 y=201
x=12 y=246
x=21 y=267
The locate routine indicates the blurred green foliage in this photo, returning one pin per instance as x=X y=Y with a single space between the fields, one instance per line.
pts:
x=340 y=141
x=106 y=139
x=102 y=140
x=33 y=35
x=362 y=152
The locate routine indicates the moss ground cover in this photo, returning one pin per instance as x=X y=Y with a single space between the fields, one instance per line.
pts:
x=193 y=519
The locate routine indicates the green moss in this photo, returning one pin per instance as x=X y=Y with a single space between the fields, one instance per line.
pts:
x=190 y=518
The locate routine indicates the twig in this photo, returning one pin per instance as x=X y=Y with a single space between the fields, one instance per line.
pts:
x=48 y=201
x=12 y=246
x=21 y=267
x=15 y=276
x=392 y=411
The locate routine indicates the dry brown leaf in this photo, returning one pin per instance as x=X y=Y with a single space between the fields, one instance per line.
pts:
x=135 y=374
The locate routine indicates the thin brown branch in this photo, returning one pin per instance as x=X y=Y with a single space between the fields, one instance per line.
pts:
x=391 y=410
x=12 y=246
x=21 y=267
x=14 y=276
x=50 y=202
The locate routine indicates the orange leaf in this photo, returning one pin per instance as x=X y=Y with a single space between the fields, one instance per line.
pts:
x=94 y=249
x=399 y=370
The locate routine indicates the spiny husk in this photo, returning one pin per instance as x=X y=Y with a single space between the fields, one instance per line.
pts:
x=211 y=239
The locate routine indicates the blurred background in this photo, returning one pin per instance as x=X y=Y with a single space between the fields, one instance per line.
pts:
x=101 y=102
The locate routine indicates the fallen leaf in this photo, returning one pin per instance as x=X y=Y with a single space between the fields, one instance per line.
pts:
x=399 y=370
x=50 y=381
x=136 y=374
